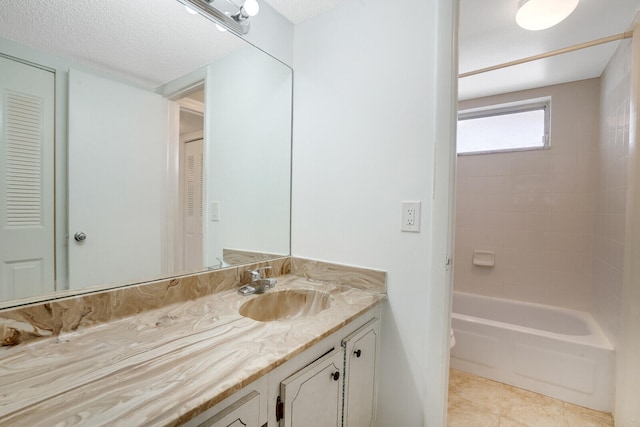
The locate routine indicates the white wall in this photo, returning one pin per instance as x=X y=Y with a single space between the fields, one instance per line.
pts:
x=272 y=33
x=248 y=153
x=367 y=82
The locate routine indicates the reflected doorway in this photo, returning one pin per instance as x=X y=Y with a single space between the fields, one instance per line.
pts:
x=191 y=177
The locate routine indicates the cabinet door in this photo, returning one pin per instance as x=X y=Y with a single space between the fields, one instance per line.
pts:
x=360 y=369
x=244 y=413
x=312 y=397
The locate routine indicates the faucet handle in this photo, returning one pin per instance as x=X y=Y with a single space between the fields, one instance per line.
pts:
x=257 y=273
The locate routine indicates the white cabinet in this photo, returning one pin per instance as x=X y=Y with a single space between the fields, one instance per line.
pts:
x=244 y=413
x=361 y=355
x=331 y=384
x=245 y=408
x=312 y=397
x=339 y=388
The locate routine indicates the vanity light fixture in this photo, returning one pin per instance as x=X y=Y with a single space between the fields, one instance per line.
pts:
x=226 y=13
x=191 y=11
x=249 y=8
x=542 y=14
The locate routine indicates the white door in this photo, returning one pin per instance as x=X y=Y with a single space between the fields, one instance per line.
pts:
x=193 y=168
x=26 y=179
x=117 y=170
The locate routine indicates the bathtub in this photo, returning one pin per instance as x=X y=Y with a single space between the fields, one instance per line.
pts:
x=557 y=352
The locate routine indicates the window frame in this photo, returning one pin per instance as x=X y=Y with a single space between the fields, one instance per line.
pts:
x=522 y=106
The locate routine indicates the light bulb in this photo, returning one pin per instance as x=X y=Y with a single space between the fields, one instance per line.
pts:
x=221 y=28
x=251 y=7
x=542 y=14
x=191 y=11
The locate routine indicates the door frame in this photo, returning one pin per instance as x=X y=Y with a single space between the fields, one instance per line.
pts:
x=174 y=231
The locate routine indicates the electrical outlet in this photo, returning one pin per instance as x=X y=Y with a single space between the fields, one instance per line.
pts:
x=410 y=217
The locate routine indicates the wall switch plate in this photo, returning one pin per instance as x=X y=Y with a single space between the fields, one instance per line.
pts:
x=214 y=211
x=410 y=217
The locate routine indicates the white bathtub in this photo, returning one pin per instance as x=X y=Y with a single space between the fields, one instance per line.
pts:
x=557 y=352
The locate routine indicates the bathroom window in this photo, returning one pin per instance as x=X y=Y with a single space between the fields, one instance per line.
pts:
x=522 y=125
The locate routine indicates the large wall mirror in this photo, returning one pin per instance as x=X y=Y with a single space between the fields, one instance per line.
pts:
x=137 y=142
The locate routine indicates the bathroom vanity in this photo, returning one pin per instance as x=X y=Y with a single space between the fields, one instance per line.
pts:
x=333 y=378
x=198 y=361
x=177 y=350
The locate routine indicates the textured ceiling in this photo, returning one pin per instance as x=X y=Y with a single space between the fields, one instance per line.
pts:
x=297 y=11
x=152 y=45
x=490 y=36
x=157 y=44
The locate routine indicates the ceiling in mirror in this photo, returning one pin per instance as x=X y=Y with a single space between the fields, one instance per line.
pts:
x=122 y=36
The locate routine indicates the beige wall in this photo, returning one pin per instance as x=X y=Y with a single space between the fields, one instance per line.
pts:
x=535 y=209
x=611 y=190
x=627 y=410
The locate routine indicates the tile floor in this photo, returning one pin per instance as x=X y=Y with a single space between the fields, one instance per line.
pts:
x=479 y=402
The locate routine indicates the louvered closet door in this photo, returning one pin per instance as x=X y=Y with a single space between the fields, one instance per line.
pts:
x=193 y=204
x=26 y=179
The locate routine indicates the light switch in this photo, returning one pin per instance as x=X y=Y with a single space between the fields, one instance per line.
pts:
x=214 y=211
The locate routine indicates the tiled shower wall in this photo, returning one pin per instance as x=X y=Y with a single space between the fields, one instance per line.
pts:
x=611 y=189
x=535 y=209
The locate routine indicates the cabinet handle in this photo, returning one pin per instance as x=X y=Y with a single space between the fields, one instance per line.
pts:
x=279 y=409
x=358 y=353
x=335 y=376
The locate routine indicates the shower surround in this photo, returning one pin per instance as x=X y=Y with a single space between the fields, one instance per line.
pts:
x=565 y=213
x=535 y=209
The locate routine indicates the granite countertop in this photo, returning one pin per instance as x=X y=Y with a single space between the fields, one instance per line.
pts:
x=163 y=366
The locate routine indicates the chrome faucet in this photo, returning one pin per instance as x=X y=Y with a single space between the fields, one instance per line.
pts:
x=258 y=283
x=257 y=273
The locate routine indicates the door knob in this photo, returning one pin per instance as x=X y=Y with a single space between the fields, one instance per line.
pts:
x=80 y=236
x=358 y=353
x=335 y=376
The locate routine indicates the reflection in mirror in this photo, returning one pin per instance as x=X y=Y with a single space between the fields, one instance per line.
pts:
x=137 y=143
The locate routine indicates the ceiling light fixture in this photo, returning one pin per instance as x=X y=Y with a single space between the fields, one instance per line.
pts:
x=226 y=13
x=542 y=14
